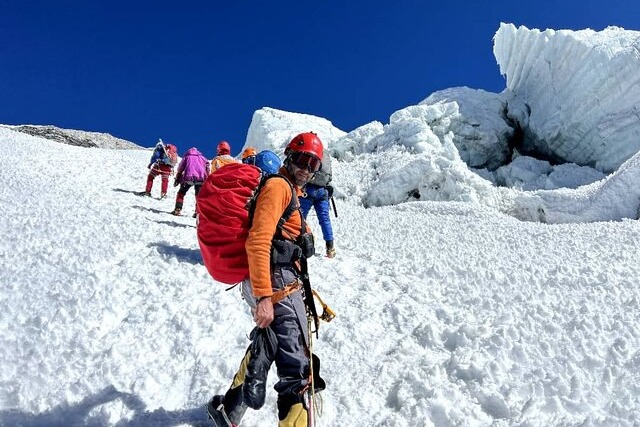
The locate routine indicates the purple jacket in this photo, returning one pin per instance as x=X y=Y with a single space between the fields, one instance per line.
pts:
x=193 y=167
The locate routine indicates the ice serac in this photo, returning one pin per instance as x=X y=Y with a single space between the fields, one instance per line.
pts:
x=479 y=123
x=272 y=129
x=354 y=142
x=574 y=93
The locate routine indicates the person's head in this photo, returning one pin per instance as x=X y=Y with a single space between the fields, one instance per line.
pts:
x=223 y=148
x=249 y=156
x=268 y=162
x=303 y=157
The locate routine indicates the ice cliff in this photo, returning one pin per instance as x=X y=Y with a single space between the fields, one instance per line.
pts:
x=540 y=150
x=575 y=94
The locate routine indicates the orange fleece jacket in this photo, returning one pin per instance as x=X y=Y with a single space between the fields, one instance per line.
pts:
x=270 y=205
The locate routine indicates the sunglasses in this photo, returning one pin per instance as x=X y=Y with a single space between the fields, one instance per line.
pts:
x=306 y=161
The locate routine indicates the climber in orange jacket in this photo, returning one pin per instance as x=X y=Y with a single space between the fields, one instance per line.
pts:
x=282 y=334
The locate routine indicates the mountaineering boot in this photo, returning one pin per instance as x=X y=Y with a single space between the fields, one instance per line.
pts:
x=216 y=413
x=178 y=207
x=331 y=251
x=163 y=195
x=219 y=415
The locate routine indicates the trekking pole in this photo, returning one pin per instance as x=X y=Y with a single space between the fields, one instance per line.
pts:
x=333 y=203
x=311 y=406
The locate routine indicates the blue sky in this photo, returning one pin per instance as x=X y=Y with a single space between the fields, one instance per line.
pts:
x=193 y=72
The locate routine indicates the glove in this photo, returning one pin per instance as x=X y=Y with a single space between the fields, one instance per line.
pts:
x=330 y=191
x=175 y=182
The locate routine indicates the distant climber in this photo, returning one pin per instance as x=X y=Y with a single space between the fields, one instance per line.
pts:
x=162 y=162
x=192 y=172
x=223 y=156
x=249 y=156
x=317 y=193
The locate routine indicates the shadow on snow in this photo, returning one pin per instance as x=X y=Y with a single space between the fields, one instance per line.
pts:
x=86 y=413
x=122 y=190
x=144 y=208
x=191 y=256
x=174 y=223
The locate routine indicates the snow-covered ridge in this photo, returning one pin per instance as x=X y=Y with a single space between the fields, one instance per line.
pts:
x=76 y=137
x=574 y=93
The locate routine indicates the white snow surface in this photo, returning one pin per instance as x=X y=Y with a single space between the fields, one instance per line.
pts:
x=447 y=313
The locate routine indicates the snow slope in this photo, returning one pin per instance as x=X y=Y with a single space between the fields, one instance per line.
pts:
x=449 y=313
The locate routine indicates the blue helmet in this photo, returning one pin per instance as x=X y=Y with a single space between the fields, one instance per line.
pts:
x=268 y=162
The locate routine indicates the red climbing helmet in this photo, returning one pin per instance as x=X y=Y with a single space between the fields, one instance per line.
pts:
x=305 y=151
x=223 y=148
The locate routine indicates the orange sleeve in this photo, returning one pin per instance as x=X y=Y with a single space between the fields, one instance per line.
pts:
x=272 y=201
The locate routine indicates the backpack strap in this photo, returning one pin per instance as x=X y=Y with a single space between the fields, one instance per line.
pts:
x=287 y=212
x=303 y=271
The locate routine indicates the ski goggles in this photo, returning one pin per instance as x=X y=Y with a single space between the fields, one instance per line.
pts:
x=305 y=161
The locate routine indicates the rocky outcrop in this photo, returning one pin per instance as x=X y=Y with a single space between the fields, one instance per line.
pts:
x=76 y=137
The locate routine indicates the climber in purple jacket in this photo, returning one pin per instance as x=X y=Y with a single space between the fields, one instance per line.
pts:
x=193 y=170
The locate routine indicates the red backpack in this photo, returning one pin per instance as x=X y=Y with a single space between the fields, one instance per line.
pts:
x=225 y=208
x=172 y=155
